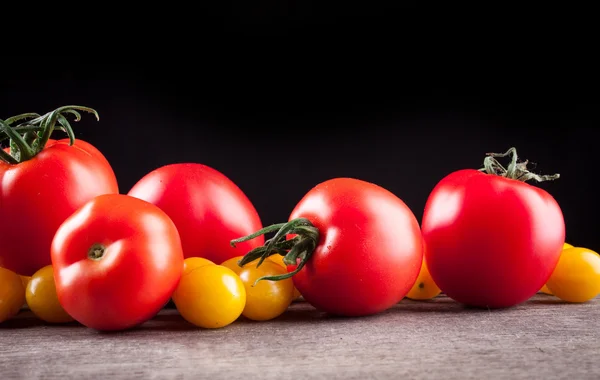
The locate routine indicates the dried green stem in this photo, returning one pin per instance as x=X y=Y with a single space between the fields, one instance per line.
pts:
x=515 y=170
x=301 y=247
x=29 y=138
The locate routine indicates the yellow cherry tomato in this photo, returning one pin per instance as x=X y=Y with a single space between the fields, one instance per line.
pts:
x=267 y=299
x=42 y=299
x=276 y=258
x=212 y=296
x=424 y=287
x=192 y=263
x=233 y=263
x=576 y=277
x=12 y=294
x=544 y=288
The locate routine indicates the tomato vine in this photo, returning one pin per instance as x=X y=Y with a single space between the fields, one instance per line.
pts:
x=30 y=137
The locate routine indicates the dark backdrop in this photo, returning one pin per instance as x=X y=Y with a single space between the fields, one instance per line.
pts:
x=279 y=100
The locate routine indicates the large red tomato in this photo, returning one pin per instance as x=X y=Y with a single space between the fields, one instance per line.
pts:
x=492 y=239
x=207 y=207
x=117 y=260
x=357 y=247
x=39 y=193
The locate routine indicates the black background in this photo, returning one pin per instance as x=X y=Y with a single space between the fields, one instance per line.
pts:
x=281 y=97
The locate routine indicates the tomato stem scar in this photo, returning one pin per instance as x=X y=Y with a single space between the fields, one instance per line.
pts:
x=515 y=170
x=30 y=137
x=96 y=251
x=299 y=247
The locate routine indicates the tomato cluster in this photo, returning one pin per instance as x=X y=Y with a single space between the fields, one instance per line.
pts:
x=188 y=234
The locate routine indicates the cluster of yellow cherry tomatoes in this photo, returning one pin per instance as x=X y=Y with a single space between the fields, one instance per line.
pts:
x=214 y=296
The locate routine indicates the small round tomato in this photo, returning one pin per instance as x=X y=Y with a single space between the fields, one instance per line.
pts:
x=42 y=299
x=424 y=288
x=266 y=299
x=12 y=294
x=277 y=258
x=211 y=296
x=576 y=277
x=192 y=263
x=233 y=264
x=544 y=288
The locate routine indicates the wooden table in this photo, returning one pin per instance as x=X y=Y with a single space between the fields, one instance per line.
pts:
x=540 y=339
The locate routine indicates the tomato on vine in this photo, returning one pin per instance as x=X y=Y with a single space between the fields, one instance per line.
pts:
x=42 y=182
x=352 y=248
x=492 y=239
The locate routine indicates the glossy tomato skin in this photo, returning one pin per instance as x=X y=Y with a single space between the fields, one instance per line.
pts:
x=40 y=193
x=134 y=278
x=208 y=209
x=370 y=249
x=491 y=241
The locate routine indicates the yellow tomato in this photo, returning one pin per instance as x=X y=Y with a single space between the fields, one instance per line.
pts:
x=233 y=263
x=576 y=277
x=12 y=294
x=276 y=258
x=192 y=263
x=42 y=299
x=424 y=287
x=544 y=288
x=267 y=299
x=212 y=296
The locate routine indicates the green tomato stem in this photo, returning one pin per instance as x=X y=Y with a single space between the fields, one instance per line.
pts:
x=37 y=132
x=516 y=170
x=96 y=251
x=301 y=247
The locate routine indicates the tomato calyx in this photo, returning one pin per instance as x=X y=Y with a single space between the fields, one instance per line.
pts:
x=96 y=252
x=515 y=170
x=300 y=247
x=30 y=137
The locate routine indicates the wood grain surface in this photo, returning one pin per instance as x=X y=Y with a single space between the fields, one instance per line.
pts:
x=439 y=339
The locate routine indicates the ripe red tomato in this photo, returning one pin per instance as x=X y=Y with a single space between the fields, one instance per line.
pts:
x=39 y=193
x=207 y=207
x=116 y=260
x=355 y=246
x=492 y=239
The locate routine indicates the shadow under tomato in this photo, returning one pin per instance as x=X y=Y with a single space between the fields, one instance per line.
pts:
x=26 y=319
x=551 y=300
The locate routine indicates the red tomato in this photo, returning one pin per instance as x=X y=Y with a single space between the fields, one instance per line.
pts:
x=493 y=241
x=116 y=260
x=208 y=209
x=38 y=194
x=360 y=247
